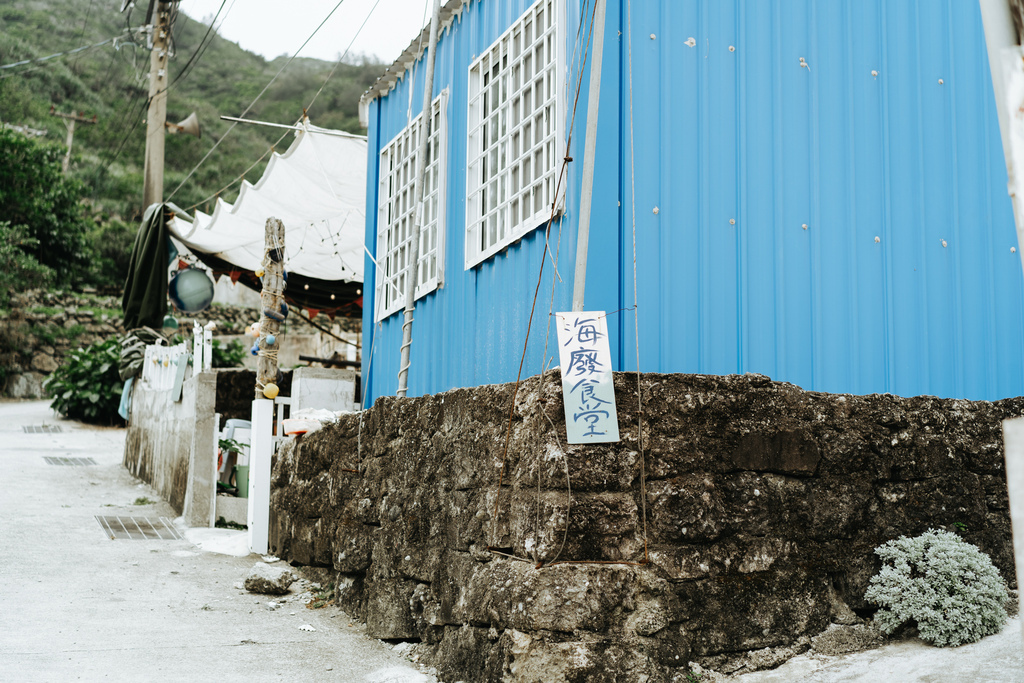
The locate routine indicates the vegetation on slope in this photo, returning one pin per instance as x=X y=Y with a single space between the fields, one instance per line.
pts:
x=112 y=83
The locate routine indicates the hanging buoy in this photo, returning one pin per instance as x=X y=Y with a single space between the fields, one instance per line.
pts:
x=259 y=272
x=271 y=391
x=254 y=330
x=271 y=340
x=274 y=315
x=255 y=350
x=284 y=310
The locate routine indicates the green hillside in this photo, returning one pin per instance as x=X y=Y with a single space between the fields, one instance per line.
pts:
x=112 y=83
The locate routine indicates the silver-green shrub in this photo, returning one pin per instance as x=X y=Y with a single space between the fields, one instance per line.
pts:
x=948 y=586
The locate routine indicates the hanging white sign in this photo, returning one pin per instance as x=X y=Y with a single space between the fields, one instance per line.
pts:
x=587 y=389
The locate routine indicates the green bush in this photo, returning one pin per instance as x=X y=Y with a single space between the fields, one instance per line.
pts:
x=87 y=386
x=948 y=586
x=111 y=243
x=21 y=269
x=45 y=205
x=230 y=356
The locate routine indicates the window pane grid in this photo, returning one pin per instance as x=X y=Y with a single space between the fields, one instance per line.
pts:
x=397 y=209
x=513 y=102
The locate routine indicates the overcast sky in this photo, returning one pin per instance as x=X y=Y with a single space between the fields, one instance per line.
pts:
x=272 y=27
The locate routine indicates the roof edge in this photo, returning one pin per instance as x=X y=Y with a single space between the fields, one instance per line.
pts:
x=451 y=10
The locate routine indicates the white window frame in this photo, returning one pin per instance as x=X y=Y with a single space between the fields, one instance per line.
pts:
x=396 y=210
x=500 y=210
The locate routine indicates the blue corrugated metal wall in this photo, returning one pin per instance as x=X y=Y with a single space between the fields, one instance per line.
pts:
x=903 y=280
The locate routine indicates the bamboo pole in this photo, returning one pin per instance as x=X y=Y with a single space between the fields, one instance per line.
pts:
x=272 y=301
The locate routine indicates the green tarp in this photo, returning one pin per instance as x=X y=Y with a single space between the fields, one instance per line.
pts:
x=145 y=291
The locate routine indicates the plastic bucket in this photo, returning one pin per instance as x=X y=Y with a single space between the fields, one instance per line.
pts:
x=242 y=480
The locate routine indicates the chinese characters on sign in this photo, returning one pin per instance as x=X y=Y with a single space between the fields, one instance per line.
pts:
x=587 y=389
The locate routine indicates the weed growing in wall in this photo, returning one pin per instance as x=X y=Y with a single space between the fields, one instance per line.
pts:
x=946 y=585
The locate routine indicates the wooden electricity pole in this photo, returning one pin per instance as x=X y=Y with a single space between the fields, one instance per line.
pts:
x=153 y=175
x=69 y=123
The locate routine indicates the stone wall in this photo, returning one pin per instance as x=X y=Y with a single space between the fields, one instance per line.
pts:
x=236 y=388
x=41 y=327
x=763 y=506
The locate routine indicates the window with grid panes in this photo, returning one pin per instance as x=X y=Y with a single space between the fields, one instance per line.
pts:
x=515 y=120
x=397 y=209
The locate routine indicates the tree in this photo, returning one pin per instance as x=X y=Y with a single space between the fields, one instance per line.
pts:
x=43 y=206
x=21 y=270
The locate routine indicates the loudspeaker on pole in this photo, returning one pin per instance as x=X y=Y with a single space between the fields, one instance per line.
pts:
x=189 y=126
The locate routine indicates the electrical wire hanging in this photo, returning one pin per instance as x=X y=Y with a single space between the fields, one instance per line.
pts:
x=640 y=443
x=540 y=275
x=38 y=60
x=636 y=309
x=308 y=107
x=203 y=44
x=255 y=100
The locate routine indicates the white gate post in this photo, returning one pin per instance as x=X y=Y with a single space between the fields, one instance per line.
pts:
x=1013 y=452
x=261 y=450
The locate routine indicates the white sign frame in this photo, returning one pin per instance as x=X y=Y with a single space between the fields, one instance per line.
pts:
x=588 y=393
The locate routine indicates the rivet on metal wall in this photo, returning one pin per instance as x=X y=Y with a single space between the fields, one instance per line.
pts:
x=1013 y=250
x=653 y=36
x=656 y=209
x=804 y=226
x=732 y=48
x=732 y=221
x=940 y=81
x=874 y=73
x=691 y=41
x=877 y=239
x=803 y=63
x=943 y=244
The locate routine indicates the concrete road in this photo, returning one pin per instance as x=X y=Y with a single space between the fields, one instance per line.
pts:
x=996 y=659
x=76 y=605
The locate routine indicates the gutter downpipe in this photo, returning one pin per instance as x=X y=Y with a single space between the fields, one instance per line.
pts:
x=421 y=168
x=590 y=144
x=1001 y=40
x=1001 y=36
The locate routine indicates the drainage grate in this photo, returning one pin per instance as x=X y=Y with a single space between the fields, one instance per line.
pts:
x=138 y=528
x=41 y=429
x=69 y=462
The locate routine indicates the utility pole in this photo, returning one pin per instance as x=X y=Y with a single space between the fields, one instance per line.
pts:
x=69 y=123
x=153 y=175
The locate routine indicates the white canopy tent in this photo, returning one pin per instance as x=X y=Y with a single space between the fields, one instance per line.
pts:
x=317 y=188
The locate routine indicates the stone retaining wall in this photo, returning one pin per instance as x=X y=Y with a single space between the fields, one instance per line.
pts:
x=42 y=327
x=763 y=506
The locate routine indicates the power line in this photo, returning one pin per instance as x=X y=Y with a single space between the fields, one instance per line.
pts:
x=203 y=44
x=253 y=103
x=85 y=23
x=343 y=55
x=132 y=119
x=308 y=107
x=53 y=56
x=127 y=113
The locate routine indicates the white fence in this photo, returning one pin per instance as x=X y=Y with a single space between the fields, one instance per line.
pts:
x=160 y=366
